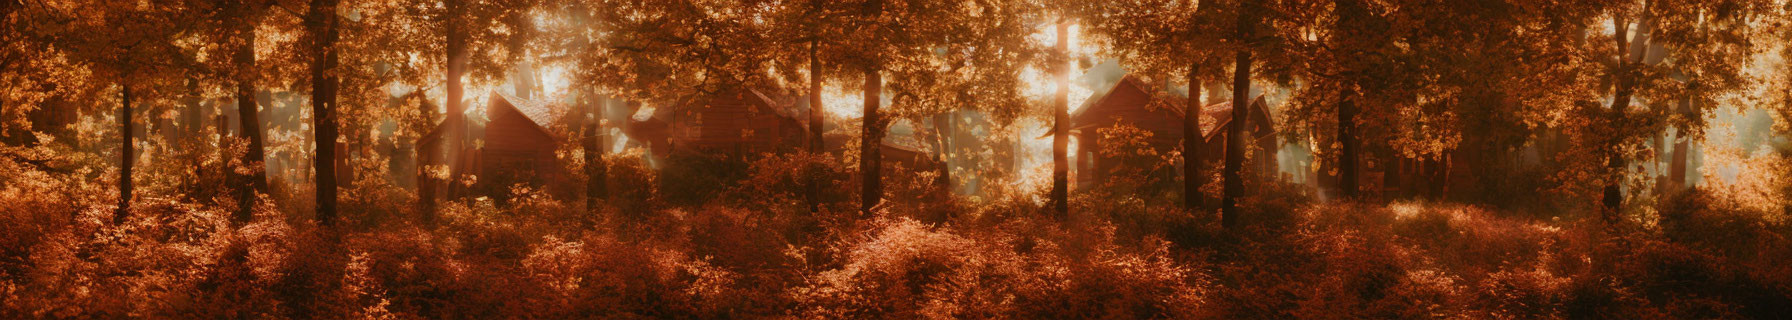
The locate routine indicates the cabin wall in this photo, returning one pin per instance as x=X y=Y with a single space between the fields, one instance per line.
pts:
x=733 y=123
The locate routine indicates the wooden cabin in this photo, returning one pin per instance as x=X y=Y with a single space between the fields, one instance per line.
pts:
x=517 y=147
x=1133 y=103
x=908 y=151
x=1261 y=137
x=737 y=121
x=1129 y=102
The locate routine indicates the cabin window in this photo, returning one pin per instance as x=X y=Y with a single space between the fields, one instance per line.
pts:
x=746 y=133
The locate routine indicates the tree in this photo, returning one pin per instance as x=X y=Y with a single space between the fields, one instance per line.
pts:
x=1061 y=123
x=1165 y=36
x=124 y=45
x=1241 y=90
x=454 y=23
x=1706 y=42
x=595 y=188
x=481 y=40
x=321 y=24
x=245 y=16
x=799 y=24
x=869 y=40
x=1349 y=52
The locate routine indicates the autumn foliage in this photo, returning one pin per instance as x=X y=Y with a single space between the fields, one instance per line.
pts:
x=896 y=159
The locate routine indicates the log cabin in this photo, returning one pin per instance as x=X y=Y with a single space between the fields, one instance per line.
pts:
x=1131 y=102
x=517 y=147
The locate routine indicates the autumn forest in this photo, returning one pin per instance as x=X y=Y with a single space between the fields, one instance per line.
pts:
x=901 y=159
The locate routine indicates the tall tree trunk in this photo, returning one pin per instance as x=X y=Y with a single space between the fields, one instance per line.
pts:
x=595 y=188
x=248 y=117
x=1061 y=125
x=942 y=127
x=1347 y=151
x=1677 y=164
x=1193 y=169
x=871 y=144
x=456 y=120
x=426 y=185
x=453 y=122
x=323 y=106
x=1350 y=27
x=1629 y=57
x=1241 y=90
x=126 y=154
x=816 y=142
x=194 y=116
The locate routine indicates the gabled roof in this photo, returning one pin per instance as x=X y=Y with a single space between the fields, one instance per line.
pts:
x=652 y=113
x=537 y=111
x=1221 y=115
x=911 y=143
x=1171 y=103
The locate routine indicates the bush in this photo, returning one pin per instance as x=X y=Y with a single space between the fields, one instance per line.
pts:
x=904 y=269
x=692 y=179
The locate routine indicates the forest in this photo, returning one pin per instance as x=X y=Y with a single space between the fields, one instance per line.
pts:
x=901 y=159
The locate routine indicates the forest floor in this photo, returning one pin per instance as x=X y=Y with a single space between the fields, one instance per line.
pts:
x=63 y=256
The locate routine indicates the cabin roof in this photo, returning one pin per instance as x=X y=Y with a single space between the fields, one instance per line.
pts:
x=1219 y=115
x=1168 y=102
x=539 y=113
x=910 y=142
x=785 y=109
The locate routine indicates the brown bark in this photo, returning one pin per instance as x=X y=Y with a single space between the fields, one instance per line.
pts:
x=1677 y=164
x=323 y=23
x=1350 y=28
x=249 y=119
x=194 y=116
x=871 y=143
x=1241 y=89
x=595 y=188
x=1347 y=151
x=1630 y=57
x=1061 y=125
x=126 y=154
x=1193 y=169
x=942 y=147
x=455 y=120
x=816 y=142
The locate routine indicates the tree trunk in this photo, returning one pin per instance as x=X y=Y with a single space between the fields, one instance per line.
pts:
x=1241 y=90
x=323 y=106
x=1347 y=153
x=249 y=120
x=1677 y=164
x=1350 y=27
x=871 y=144
x=816 y=142
x=595 y=188
x=1193 y=169
x=126 y=153
x=942 y=127
x=455 y=120
x=194 y=116
x=1629 y=57
x=1061 y=125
